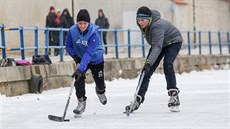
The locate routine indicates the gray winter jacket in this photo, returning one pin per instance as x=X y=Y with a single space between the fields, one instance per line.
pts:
x=160 y=33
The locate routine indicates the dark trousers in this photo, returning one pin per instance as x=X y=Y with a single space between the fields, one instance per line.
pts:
x=98 y=76
x=169 y=53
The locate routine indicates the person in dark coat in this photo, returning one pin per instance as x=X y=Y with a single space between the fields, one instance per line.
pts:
x=66 y=22
x=165 y=41
x=56 y=33
x=103 y=23
x=50 y=22
x=66 y=19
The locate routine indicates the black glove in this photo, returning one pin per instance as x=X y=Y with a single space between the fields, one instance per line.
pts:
x=77 y=74
x=147 y=67
x=76 y=59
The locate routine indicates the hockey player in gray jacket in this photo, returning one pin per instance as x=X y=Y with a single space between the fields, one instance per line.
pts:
x=165 y=41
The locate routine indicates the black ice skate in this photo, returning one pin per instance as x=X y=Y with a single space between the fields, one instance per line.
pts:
x=174 y=101
x=134 y=105
x=80 y=107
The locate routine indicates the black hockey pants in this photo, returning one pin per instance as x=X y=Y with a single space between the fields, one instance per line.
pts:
x=98 y=76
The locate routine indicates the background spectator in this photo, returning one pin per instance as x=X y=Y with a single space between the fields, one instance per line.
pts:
x=66 y=22
x=50 y=22
x=56 y=33
x=103 y=22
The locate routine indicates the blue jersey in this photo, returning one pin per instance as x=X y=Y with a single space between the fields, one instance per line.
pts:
x=86 y=45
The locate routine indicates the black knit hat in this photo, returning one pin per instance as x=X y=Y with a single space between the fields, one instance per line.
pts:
x=83 y=15
x=144 y=12
x=52 y=8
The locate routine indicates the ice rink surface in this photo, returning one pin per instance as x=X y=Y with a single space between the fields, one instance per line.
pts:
x=204 y=96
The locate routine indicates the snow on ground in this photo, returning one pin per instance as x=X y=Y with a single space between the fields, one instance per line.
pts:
x=205 y=104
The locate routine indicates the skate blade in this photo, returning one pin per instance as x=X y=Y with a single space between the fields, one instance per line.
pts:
x=77 y=115
x=174 y=109
x=127 y=113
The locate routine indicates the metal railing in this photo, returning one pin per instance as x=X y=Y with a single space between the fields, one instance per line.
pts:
x=220 y=41
x=193 y=40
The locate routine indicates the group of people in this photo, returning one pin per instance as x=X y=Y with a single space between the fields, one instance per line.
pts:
x=84 y=46
x=58 y=19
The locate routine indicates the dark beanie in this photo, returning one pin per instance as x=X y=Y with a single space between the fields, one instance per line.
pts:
x=51 y=7
x=83 y=15
x=144 y=12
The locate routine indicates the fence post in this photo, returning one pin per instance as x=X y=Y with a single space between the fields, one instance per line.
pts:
x=115 y=43
x=189 y=44
x=200 y=42
x=219 y=39
x=36 y=40
x=210 y=42
x=101 y=40
x=101 y=35
x=61 y=44
x=143 y=45
x=47 y=41
x=228 y=40
x=22 y=48
x=3 y=41
x=129 y=47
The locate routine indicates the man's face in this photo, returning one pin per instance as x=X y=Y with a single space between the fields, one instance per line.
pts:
x=52 y=10
x=82 y=25
x=142 y=22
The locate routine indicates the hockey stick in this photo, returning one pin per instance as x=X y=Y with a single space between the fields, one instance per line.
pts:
x=128 y=111
x=62 y=119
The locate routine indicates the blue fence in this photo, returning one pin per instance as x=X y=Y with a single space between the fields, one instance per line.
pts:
x=193 y=41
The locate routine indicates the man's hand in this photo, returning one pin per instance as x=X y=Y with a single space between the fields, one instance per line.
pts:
x=147 y=67
x=77 y=74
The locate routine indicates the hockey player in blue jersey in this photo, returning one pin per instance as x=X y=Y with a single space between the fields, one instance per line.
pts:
x=84 y=46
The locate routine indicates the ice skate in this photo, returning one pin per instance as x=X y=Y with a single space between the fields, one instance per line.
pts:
x=134 y=105
x=174 y=101
x=80 y=107
x=102 y=98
